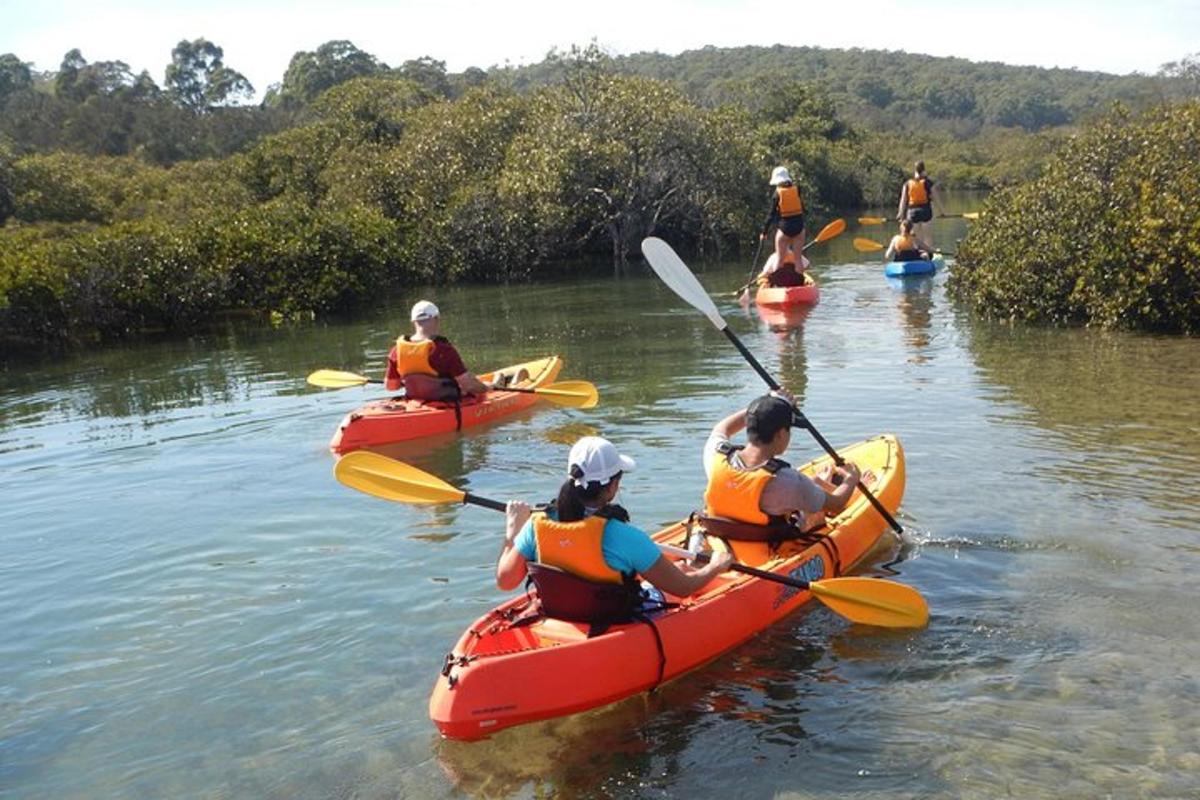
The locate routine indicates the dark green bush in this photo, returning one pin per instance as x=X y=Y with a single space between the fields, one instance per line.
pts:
x=1109 y=235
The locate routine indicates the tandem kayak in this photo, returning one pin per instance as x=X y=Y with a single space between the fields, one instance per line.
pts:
x=900 y=269
x=507 y=671
x=399 y=419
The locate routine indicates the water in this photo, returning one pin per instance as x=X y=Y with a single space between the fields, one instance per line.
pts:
x=191 y=605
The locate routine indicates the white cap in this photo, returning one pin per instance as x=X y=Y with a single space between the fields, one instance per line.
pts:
x=780 y=175
x=423 y=310
x=597 y=460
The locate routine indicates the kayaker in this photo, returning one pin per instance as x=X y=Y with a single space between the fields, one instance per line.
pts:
x=917 y=197
x=752 y=494
x=905 y=246
x=787 y=213
x=587 y=541
x=786 y=275
x=427 y=365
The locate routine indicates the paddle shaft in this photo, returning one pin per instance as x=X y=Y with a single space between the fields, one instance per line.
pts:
x=754 y=263
x=496 y=505
x=520 y=389
x=766 y=575
x=804 y=422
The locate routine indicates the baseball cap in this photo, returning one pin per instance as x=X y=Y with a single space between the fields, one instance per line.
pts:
x=767 y=416
x=597 y=460
x=423 y=310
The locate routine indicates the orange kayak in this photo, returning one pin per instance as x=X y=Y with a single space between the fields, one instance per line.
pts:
x=396 y=420
x=502 y=674
x=783 y=296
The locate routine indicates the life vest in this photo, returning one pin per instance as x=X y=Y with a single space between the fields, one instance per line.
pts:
x=412 y=358
x=573 y=581
x=734 y=493
x=790 y=203
x=574 y=547
x=906 y=244
x=918 y=191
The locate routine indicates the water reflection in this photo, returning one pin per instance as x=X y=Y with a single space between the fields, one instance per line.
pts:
x=1126 y=406
x=915 y=301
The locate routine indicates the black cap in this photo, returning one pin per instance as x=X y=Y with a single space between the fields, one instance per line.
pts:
x=767 y=416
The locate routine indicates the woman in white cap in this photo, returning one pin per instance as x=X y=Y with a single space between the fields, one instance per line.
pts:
x=426 y=364
x=787 y=213
x=584 y=544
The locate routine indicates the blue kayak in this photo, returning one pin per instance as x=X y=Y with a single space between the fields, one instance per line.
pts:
x=900 y=269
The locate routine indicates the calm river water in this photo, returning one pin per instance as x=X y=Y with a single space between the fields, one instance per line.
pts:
x=191 y=606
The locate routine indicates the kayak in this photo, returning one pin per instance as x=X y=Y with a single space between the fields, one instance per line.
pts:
x=900 y=269
x=783 y=296
x=399 y=419
x=506 y=670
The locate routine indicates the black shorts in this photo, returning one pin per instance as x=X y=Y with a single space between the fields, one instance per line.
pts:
x=792 y=226
x=920 y=214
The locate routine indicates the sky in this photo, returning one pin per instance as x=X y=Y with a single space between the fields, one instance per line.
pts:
x=260 y=36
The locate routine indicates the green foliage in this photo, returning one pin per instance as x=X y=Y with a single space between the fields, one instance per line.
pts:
x=198 y=79
x=1109 y=235
x=309 y=74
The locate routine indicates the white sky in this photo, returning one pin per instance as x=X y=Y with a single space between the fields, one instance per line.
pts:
x=260 y=36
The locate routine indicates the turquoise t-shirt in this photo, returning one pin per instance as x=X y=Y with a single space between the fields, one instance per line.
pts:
x=625 y=548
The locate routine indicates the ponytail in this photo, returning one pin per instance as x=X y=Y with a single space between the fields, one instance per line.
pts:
x=573 y=499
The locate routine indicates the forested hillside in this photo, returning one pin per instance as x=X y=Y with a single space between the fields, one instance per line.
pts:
x=127 y=205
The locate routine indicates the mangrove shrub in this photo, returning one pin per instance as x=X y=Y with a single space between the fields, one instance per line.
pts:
x=1108 y=235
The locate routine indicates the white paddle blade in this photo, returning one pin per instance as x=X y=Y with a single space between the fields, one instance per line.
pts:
x=676 y=275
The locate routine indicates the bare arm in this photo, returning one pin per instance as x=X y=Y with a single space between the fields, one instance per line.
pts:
x=903 y=201
x=469 y=384
x=837 y=499
x=510 y=566
x=672 y=580
x=890 y=253
x=731 y=425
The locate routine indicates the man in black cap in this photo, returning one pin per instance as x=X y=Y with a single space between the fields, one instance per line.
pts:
x=751 y=486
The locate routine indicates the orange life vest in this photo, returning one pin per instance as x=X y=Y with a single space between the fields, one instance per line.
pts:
x=734 y=493
x=412 y=358
x=574 y=547
x=904 y=244
x=918 y=192
x=790 y=203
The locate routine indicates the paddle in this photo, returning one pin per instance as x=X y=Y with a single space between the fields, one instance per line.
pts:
x=830 y=231
x=869 y=601
x=675 y=274
x=574 y=394
x=744 y=294
x=880 y=220
x=868 y=246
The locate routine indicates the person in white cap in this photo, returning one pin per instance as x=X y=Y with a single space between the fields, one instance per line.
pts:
x=786 y=266
x=426 y=364
x=588 y=545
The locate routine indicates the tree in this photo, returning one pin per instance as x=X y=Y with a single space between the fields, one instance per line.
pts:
x=309 y=74
x=14 y=76
x=428 y=73
x=197 y=78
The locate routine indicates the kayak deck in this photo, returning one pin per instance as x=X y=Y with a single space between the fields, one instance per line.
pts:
x=504 y=671
x=899 y=269
x=382 y=422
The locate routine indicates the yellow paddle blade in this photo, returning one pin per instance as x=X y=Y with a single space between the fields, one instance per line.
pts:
x=866 y=245
x=872 y=220
x=872 y=601
x=336 y=379
x=573 y=394
x=390 y=479
x=972 y=215
x=831 y=230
